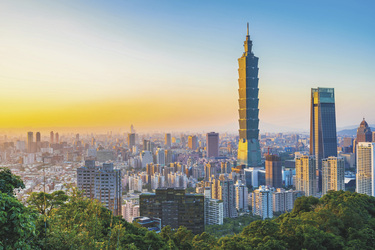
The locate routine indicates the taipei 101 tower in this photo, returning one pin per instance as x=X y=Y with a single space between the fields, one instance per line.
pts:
x=248 y=146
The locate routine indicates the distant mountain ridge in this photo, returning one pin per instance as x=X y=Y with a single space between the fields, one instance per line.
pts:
x=351 y=132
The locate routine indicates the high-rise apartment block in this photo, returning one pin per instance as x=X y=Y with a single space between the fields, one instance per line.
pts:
x=333 y=174
x=212 y=141
x=262 y=202
x=366 y=168
x=213 y=212
x=323 y=138
x=248 y=146
x=241 y=196
x=283 y=200
x=274 y=175
x=160 y=157
x=223 y=189
x=209 y=171
x=175 y=208
x=130 y=210
x=102 y=183
x=306 y=174
x=168 y=140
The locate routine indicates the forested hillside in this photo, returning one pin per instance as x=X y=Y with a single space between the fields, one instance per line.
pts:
x=339 y=220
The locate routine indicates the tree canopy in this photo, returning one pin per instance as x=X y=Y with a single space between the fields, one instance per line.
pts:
x=339 y=220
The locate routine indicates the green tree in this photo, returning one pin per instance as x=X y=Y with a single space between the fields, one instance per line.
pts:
x=44 y=202
x=17 y=222
x=9 y=182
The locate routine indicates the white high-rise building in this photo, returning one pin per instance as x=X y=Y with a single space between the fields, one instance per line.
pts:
x=213 y=212
x=333 y=174
x=306 y=174
x=241 y=196
x=102 y=183
x=365 y=168
x=262 y=202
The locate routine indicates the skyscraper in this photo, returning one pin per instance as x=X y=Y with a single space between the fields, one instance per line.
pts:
x=323 y=138
x=248 y=146
x=333 y=174
x=30 y=142
x=168 y=140
x=366 y=168
x=193 y=142
x=51 y=137
x=212 y=140
x=274 y=176
x=306 y=174
x=37 y=136
x=131 y=140
x=57 y=137
x=364 y=133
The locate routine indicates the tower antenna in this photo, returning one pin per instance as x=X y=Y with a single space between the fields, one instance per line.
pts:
x=247 y=28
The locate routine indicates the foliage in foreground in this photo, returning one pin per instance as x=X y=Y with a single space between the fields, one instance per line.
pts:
x=339 y=220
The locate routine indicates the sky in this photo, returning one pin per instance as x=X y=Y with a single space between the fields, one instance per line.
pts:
x=172 y=65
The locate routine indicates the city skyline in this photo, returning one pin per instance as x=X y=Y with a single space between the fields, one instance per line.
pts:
x=68 y=64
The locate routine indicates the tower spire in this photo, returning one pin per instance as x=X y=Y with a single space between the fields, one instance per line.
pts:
x=247 y=28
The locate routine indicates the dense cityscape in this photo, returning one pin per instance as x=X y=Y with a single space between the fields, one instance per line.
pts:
x=130 y=189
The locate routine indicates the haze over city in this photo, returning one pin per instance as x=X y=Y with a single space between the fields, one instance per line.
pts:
x=172 y=65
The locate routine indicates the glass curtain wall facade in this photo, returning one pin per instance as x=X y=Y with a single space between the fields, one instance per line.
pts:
x=323 y=138
x=248 y=146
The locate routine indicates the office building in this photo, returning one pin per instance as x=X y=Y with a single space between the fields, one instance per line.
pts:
x=102 y=183
x=248 y=146
x=364 y=133
x=365 y=168
x=193 y=142
x=168 y=140
x=241 y=196
x=323 y=139
x=30 y=142
x=274 y=175
x=57 y=137
x=37 y=137
x=262 y=202
x=51 y=135
x=306 y=174
x=131 y=140
x=212 y=141
x=333 y=174
x=175 y=208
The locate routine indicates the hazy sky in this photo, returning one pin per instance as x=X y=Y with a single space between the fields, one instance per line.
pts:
x=172 y=65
